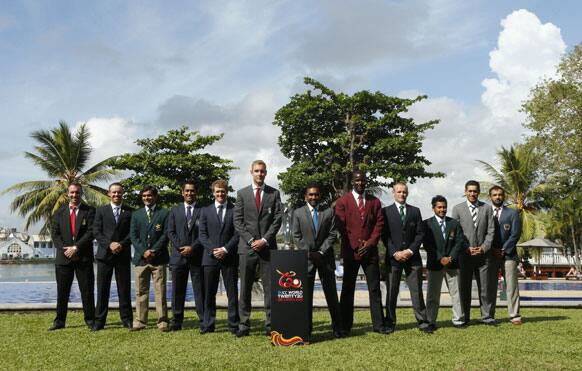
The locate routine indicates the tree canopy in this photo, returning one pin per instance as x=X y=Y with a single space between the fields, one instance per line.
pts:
x=167 y=161
x=327 y=135
x=554 y=116
x=63 y=155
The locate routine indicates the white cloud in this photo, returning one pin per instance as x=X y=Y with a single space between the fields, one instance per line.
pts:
x=527 y=51
x=110 y=136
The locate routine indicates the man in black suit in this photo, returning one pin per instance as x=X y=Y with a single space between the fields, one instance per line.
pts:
x=111 y=230
x=72 y=235
x=402 y=235
x=186 y=256
x=314 y=230
x=257 y=219
x=220 y=241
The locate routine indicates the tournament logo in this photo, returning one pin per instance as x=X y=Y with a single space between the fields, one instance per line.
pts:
x=292 y=289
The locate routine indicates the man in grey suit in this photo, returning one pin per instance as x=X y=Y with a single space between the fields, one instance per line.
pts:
x=476 y=219
x=314 y=230
x=257 y=219
x=507 y=233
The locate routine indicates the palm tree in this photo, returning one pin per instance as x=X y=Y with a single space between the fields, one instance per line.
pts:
x=518 y=176
x=62 y=155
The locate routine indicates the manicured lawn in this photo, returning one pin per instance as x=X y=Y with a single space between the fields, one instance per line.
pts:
x=548 y=339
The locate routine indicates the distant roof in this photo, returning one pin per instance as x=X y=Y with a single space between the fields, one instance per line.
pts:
x=539 y=242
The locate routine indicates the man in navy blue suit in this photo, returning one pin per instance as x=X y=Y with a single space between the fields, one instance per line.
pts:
x=507 y=234
x=220 y=241
x=186 y=258
x=402 y=235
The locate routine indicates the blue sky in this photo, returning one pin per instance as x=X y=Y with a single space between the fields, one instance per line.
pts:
x=138 y=68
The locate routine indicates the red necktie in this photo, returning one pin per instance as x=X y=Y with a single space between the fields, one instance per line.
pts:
x=361 y=207
x=73 y=220
x=258 y=199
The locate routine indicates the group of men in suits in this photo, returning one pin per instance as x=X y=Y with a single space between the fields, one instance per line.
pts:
x=231 y=239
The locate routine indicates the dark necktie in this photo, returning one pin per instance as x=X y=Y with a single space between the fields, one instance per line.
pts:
x=402 y=215
x=497 y=209
x=149 y=214
x=220 y=213
x=116 y=214
x=258 y=199
x=361 y=206
x=189 y=216
x=315 y=218
x=73 y=220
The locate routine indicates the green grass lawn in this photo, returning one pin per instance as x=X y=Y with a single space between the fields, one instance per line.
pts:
x=548 y=339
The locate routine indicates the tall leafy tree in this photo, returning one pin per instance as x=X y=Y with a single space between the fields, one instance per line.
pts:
x=554 y=118
x=63 y=155
x=167 y=161
x=518 y=175
x=327 y=135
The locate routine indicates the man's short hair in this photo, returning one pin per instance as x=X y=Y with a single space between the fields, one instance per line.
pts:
x=438 y=198
x=258 y=162
x=76 y=184
x=312 y=185
x=358 y=172
x=473 y=183
x=115 y=184
x=400 y=183
x=219 y=183
x=189 y=182
x=496 y=188
x=149 y=188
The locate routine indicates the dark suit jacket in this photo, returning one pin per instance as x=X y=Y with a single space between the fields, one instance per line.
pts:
x=398 y=236
x=437 y=247
x=61 y=233
x=149 y=235
x=180 y=235
x=214 y=234
x=251 y=224
x=106 y=231
x=352 y=229
x=507 y=232
x=322 y=239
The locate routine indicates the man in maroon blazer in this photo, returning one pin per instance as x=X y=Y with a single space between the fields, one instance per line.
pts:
x=359 y=220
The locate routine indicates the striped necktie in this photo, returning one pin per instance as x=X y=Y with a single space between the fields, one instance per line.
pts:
x=443 y=229
x=361 y=206
x=474 y=212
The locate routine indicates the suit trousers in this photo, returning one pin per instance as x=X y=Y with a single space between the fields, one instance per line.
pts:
x=211 y=280
x=413 y=277
x=143 y=274
x=123 y=282
x=64 y=275
x=483 y=269
x=248 y=266
x=180 y=275
x=433 y=294
x=510 y=275
x=372 y=272
x=327 y=277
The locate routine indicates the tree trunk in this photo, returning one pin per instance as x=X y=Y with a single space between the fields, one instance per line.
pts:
x=574 y=244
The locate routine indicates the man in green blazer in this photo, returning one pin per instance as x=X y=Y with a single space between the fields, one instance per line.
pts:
x=443 y=242
x=150 y=243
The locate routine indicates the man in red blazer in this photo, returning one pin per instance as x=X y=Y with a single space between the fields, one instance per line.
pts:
x=359 y=220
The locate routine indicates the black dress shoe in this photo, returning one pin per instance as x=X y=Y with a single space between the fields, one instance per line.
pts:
x=127 y=324
x=268 y=333
x=461 y=326
x=96 y=328
x=388 y=330
x=427 y=329
x=233 y=330
x=241 y=333
x=338 y=334
x=175 y=328
x=206 y=331
x=56 y=326
x=90 y=324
